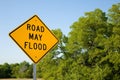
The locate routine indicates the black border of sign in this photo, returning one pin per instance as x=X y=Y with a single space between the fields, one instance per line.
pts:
x=22 y=48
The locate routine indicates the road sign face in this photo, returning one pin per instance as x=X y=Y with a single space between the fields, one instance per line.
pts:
x=34 y=38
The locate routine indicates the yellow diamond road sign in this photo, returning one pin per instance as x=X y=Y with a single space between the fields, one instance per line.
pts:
x=34 y=38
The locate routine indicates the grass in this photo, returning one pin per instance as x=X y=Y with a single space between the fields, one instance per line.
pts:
x=19 y=79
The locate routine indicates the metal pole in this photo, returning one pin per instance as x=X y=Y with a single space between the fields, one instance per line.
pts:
x=34 y=71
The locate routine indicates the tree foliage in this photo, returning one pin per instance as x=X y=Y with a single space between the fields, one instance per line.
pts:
x=5 y=71
x=22 y=70
x=91 y=51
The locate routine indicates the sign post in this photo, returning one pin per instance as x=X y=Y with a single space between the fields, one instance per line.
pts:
x=34 y=38
x=34 y=71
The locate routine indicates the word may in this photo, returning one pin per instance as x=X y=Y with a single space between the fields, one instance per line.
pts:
x=33 y=36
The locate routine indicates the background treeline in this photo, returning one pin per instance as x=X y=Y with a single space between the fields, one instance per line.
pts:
x=91 y=51
x=21 y=70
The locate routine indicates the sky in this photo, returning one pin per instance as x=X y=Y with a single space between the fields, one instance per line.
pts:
x=54 y=13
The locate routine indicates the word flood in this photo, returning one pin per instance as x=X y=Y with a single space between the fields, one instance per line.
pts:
x=35 y=46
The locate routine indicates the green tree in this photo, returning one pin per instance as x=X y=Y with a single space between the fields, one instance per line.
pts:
x=48 y=66
x=86 y=41
x=113 y=45
x=22 y=70
x=5 y=71
x=114 y=14
x=90 y=52
x=97 y=37
x=25 y=70
x=14 y=70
